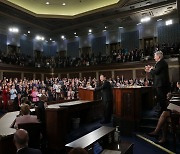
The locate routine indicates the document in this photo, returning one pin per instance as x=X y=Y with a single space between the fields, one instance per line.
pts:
x=174 y=107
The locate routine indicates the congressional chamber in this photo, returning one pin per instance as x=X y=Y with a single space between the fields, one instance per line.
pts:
x=97 y=76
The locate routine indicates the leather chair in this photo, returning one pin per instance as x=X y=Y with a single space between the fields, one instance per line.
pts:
x=34 y=131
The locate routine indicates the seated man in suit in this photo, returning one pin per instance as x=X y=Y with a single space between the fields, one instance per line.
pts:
x=21 y=142
x=25 y=116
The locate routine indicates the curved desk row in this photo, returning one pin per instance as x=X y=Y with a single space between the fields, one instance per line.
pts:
x=7 y=131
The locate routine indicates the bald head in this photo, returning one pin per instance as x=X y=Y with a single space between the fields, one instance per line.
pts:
x=21 y=138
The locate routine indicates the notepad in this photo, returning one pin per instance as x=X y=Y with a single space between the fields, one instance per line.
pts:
x=175 y=107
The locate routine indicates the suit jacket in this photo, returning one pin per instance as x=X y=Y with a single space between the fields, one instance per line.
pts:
x=27 y=150
x=26 y=119
x=160 y=74
x=106 y=91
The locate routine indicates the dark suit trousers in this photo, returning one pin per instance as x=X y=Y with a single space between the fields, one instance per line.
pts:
x=162 y=96
x=108 y=108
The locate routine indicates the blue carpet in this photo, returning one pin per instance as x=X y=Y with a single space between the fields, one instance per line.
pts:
x=140 y=146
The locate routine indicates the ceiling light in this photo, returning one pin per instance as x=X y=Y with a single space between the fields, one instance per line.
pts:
x=105 y=27
x=62 y=37
x=14 y=30
x=168 y=22
x=47 y=3
x=145 y=19
x=39 y=38
x=29 y=31
x=63 y=4
x=50 y=39
x=90 y=30
x=75 y=33
x=159 y=19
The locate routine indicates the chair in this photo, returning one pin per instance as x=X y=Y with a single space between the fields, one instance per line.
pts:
x=174 y=125
x=34 y=131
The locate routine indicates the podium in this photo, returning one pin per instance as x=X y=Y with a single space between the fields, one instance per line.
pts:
x=88 y=94
x=129 y=103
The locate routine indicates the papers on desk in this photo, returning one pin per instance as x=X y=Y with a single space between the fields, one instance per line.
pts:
x=174 y=107
x=110 y=152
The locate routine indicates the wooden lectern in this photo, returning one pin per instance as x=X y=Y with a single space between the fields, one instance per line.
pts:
x=128 y=106
x=88 y=94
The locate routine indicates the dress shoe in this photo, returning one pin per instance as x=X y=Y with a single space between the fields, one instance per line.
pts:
x=153 y=135
x=162 y=142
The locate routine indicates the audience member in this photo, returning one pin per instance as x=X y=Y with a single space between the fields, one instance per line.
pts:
x=25 y=116
x=21 y=139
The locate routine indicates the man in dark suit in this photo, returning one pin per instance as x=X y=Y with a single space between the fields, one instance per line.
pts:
x=160 y=73
x=21 y=142
x=107 y=98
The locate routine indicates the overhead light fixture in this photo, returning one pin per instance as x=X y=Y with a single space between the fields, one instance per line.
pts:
x=90 y=30
x=75 y=33
x=105 y=27
x=145 y=19
x=29 y=31
x=63 y=4
x=47 y=3
x=139 y=24
x=62 y=37
x=50 y=39
x=168 y=22
x=13 y=29
x=159 y=19
x=40 y=38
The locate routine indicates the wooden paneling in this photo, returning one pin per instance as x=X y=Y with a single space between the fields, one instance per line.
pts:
x=48 y=76
x=28 y=76
x=12 y=75
x=140 y=74
x=63 y=76
x=89 y=74
x=174 y=74
x=107 y=74
x=38 y=76
x=74 y=75
x=127 y=74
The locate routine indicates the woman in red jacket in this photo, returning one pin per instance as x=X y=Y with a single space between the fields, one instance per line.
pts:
x=5 y=97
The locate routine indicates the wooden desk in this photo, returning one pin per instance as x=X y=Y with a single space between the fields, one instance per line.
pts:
x=88 y=94
x=128 y=106
x=6 y=133
x=87 y=141
x=122 y=147
x=59 y=118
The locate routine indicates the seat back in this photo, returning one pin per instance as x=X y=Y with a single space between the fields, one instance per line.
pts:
x=34 y=131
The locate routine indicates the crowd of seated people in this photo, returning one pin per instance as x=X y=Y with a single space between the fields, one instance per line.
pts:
x=115 y=56
x=17 y=91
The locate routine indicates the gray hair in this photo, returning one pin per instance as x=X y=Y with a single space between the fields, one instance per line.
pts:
x=159 y=53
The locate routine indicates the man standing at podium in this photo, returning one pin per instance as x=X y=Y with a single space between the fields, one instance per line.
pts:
x=107 y=98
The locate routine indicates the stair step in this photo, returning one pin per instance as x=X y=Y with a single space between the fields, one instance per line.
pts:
x=148 y=126
x=153 y=143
